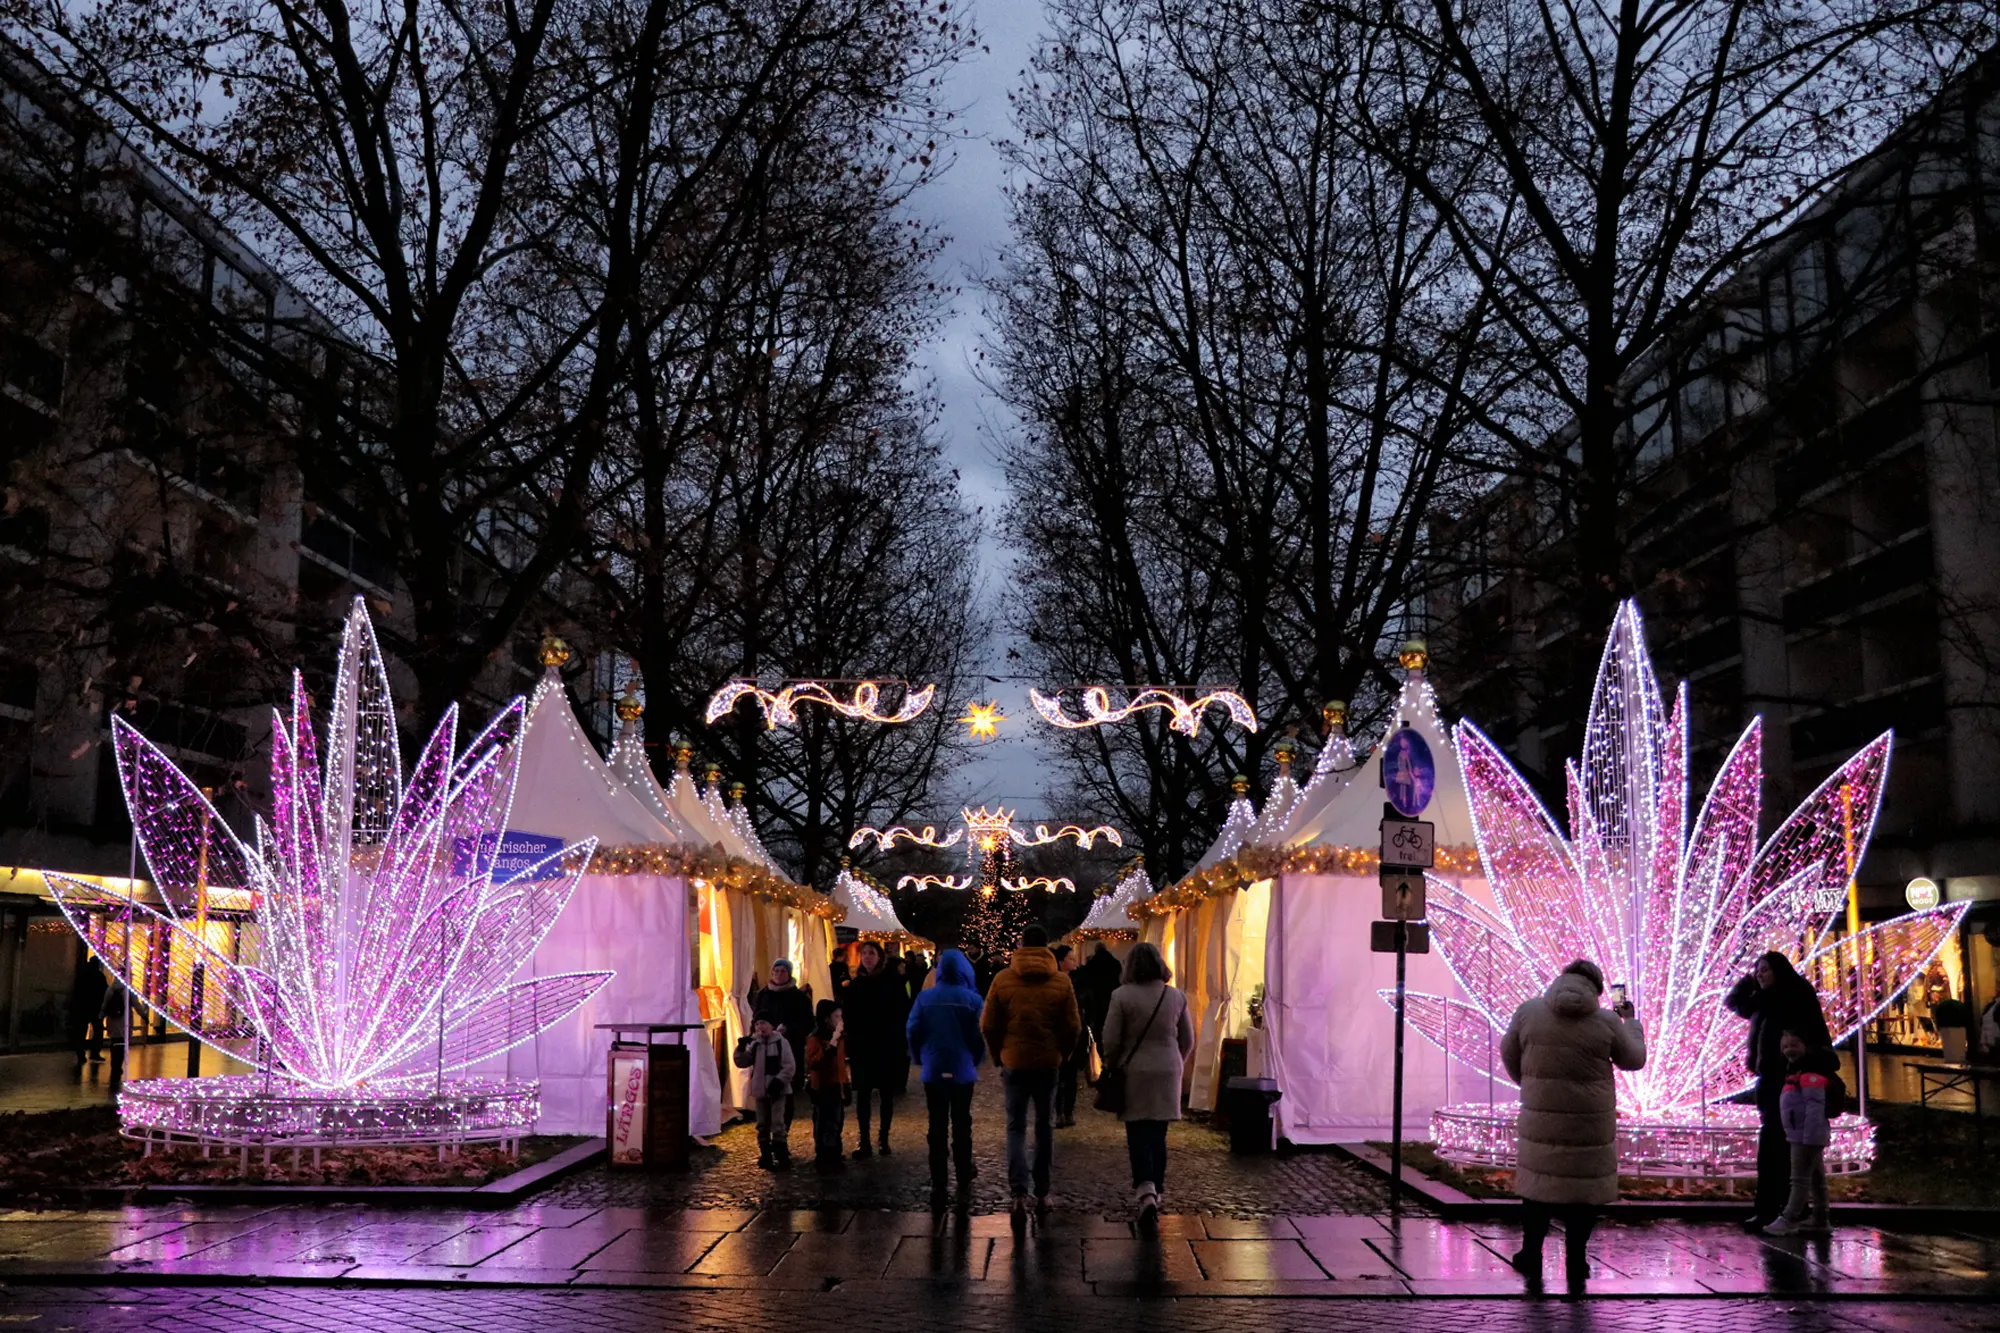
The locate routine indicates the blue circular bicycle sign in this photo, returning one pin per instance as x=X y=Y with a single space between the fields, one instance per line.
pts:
x=1409 y=774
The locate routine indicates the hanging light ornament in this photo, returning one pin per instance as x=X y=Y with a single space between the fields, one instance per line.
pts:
x=1681 y=909
x=1098 y=710
x=781 y=706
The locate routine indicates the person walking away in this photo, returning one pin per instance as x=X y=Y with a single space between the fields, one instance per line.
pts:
x=1989 y=1029
x=944 y=1038
x=1094 y=982
x=768 y=1057
x=1071 y=1072
x=877 y=1011
x=87 y=991
x=827 y=1080
x=1775 y=998
x=916 y=974
x=1147 y=1037
x=1030 y=1024
x=789 y=1007
x=1561 y=1048
x=1810 y=1073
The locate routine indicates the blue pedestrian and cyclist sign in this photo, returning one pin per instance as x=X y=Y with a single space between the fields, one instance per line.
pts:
x=1409 y=773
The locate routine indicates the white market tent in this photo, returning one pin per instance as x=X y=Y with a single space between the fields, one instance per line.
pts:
x=1331 y=1035
x=630 y=914
x=746 y=914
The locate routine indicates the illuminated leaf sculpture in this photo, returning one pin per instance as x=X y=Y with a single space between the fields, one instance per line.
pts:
x=1674 y=902
x=386 y=936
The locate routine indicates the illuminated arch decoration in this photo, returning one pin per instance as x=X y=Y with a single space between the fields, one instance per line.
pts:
x=886 y=839
x=387 y=928
x=781 y=706
x=1099 y=711
x=1676 y=907
x=934 y=882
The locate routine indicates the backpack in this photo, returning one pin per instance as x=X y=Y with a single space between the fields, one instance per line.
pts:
x=1836 y=1095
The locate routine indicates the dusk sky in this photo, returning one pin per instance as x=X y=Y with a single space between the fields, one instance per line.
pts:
x=968 y=206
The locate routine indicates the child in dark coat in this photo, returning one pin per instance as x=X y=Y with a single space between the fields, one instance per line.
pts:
x=826 y=1070
x=1809 y=1070
x=768 y=1057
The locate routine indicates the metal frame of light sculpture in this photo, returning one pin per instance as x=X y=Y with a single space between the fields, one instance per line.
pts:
x=1676 y=910
x=1098 y=710
x=385 y=940
x=780 y=706
x=1719 y=1144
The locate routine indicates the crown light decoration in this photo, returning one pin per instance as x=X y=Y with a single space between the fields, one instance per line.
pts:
x=390 y=918
x=781 y=706
x=1098 y=710
x=1675 y=908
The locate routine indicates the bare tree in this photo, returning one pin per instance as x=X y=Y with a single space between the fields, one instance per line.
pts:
x=1643 y=151
x=477 y=202
x=1245 y=355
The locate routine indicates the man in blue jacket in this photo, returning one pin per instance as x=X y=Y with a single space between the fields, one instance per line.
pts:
x=945 y=1041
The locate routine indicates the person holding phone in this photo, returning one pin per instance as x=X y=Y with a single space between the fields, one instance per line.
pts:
x=1562 y=1048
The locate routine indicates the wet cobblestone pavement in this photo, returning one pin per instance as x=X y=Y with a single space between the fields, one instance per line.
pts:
x=1091 y=1172
x=321 y=1310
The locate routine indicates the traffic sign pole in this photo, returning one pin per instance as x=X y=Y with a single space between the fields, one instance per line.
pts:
x=1396 y=1125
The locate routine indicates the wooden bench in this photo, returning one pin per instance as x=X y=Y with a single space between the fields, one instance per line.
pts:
x=1934 y=1077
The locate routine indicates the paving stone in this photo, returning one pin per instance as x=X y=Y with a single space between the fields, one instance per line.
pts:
x=937 y=1257
x=1256 y=1261
x=554 y=1247
x=653 y=1251
x=1167 y=1260
x=1349 y=1257
x=746 y=1253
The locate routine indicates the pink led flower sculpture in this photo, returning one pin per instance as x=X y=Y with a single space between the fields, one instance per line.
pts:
x=1676 y=908
x=384 y=939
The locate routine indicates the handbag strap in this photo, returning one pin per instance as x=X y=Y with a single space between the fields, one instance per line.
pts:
x=1132 y=1048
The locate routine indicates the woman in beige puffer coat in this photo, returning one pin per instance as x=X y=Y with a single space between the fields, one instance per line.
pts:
x=1561 y=1048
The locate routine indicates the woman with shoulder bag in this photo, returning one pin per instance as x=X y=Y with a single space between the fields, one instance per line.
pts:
x=1147 y=1037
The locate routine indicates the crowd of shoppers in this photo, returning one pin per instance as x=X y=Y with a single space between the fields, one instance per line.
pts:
x=1039 y=1020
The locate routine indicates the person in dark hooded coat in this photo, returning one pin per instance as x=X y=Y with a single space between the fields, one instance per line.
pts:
x=1030 y=1024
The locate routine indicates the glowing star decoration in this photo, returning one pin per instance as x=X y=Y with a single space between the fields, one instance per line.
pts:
x=982 y=720
x=1098 y=710
x=386 y=936
x=1674 y=902
x=781 y=706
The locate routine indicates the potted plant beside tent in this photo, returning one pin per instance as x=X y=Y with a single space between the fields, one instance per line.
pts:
x=1953 y=1019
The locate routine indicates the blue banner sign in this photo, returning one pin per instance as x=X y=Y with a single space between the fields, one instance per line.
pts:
x=509 y=854
x=1409 y=773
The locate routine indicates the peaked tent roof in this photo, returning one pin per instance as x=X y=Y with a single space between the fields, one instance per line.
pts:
x=1108 y=912
x=565 y=790
x=1236 y=830
x=869 y=911
x=1332 y=771
x=1352 y=816
x=628 y=761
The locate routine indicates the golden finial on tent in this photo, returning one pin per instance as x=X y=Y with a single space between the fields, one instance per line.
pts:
x=555 y=652
x=1415 y=655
